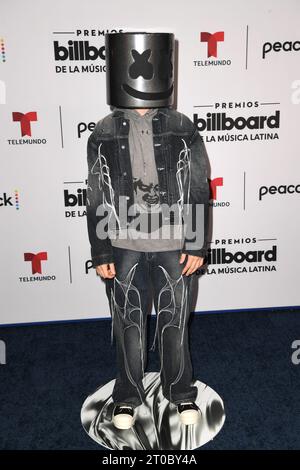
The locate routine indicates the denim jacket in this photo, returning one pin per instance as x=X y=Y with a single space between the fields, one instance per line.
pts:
x=181 y=163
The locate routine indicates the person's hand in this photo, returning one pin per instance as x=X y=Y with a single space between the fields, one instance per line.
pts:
x=106 y=270
x=193 y=263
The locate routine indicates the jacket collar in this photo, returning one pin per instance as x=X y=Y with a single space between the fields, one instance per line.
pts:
x=118 y=112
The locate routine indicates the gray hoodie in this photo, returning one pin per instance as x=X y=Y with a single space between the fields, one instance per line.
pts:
x=150 y=234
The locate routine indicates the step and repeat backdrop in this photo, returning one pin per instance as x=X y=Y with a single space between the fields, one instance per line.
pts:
x=238 y=79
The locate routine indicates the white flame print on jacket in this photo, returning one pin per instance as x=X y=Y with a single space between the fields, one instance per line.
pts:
x=101 y=168
x=183 y=177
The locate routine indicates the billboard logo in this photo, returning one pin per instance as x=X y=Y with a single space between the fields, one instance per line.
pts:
x=78 y=50
x=75 y=202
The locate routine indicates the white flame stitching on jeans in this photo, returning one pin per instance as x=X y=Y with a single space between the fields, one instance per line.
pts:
x=125 y=311
x=175 y=310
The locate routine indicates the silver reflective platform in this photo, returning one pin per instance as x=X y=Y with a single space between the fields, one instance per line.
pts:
x=157 y=424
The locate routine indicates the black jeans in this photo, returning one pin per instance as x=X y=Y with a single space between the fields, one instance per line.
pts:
x=129 y=294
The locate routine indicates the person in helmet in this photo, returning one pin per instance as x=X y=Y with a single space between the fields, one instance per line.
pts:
x=147 y=217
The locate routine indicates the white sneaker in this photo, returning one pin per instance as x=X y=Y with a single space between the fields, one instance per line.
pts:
x=123 y=416
x=189 y=413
